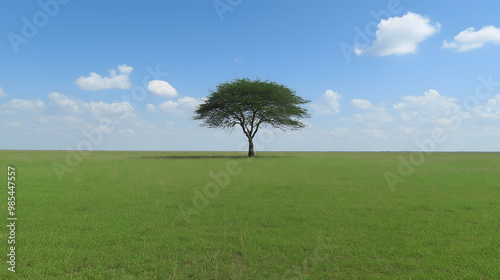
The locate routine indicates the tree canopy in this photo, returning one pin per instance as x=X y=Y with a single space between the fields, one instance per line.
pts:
x=252 y=104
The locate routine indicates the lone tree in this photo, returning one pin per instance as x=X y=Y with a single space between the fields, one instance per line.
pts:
x=252 y=105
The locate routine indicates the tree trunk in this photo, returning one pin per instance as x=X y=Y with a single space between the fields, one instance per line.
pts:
x=251 y=153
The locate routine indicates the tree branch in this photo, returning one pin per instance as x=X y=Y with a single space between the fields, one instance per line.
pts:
x=257 y=126
x=244 y=130
x=241 y=122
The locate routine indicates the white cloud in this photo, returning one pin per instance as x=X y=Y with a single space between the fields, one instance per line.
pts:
x=400 y=35
x=431 y=100
x=373 y=133
x=238 y=58
x=491 y=110
x=162 y=88
x=181 y=106
x=470 y=39
x=97 y=82
x=328 y=103
x=120 y=110
x=2 y=93
x=371 y=116
x=170 y=107
x=341 y=132
x=430 y=107
x=65 y=102
x=374 y=117
x=361 y=103
x=170 y=124
x=127 y=131
x=98 y=110
x=407 y=129
x=189 y=102
x=151 y=108
x=125 y=69
x=25 y=104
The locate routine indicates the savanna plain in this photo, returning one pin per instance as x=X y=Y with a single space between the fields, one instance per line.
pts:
x=280 y=215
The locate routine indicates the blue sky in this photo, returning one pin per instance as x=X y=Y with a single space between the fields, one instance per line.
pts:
x=126 y=75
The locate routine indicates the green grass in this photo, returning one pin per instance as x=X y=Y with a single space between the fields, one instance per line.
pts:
x=284 y=215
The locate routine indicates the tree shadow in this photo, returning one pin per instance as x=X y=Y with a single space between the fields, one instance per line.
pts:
x=174 y=157
x=192 y=157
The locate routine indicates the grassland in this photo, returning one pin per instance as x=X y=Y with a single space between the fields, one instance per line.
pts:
x=118 y=215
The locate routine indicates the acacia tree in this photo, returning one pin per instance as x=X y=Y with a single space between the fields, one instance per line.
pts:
x=252 y=104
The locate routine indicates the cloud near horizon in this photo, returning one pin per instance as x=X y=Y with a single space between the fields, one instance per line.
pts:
x=98 y=110
x=63 y=115
x=431 y=107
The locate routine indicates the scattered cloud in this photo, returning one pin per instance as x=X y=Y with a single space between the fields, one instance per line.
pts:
x=431 y=100
x=341 y=132
x=237 y=59
x=170 y=107
x=430 y=107
x=374 y=117
x=328 y=103
x=170 y=124
x=471 y=39
x=2 y=93
x=64 y=116
x=116 y=79
x=98 y=110
x=65 y=102
x=151 y=108
x=361 y=103
x=373 y=133
x=491 y=110
x=121 y=110
x=127 y=131
x=407 y=129
x=181 y=106
x=125 y=69
x=400 y=35
x=189 y=102
x=162 y=88
x=25 y=104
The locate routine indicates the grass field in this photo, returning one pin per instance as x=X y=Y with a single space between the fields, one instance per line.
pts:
x=214 y=215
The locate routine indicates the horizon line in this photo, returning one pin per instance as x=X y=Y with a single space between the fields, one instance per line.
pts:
x=218 y=151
